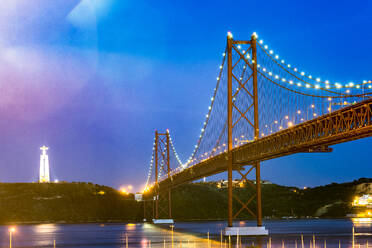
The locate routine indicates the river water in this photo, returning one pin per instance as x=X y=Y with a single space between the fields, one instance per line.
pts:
x=284 y=233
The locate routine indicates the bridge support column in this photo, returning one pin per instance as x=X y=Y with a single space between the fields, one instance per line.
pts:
x=258 y=192
x=241 y=81
x=162 y=143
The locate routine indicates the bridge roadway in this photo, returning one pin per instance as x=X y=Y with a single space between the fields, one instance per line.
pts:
x=346 y=124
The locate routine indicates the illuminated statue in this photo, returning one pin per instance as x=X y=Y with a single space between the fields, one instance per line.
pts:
x=44 y=166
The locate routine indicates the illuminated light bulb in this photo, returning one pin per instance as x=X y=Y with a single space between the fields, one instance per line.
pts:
x=327 y=82
x=290 y=124
x=244 y=67
x=258 y=66
x=286 y=117
x=282 y=61
x=302 y=73
x=299 y=84
x=295 y=69
x=329 y=99
x=351 y=84
x=230 y=35
x=262 y=134
x=358 y=86
x=224 y=54
x=314 y=114
x=276 y=76
x=307 y=85
x=248 y=57
x=338 y=85
x=299 y=112
x=220 y=66
x=277 y=56
x=264 y=69
x=271 y=52
x=291 y=82
x=212 y=98
x=266 y=47
x=327 y=86
x=364 y=81
x=312 y=106
x=261 y=41
x=283 y=79
x=318 y=79
x=276 y=122
x=317 y=86
x=239 y=47
x=218 y=78
x=255 y=35
x=280 y=128
x=289 y=66
x=347 y=91
x=302 y=119
x=270 y=73
x=369 y=86
x=209 y=107
x=310 y=76
x=252 y=61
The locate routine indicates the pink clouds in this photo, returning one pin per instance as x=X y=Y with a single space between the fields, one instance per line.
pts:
x=37 y=78
x=36 y=81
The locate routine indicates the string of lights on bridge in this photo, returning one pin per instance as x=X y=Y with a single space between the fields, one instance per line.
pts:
x=150 y=167
x=287 y=66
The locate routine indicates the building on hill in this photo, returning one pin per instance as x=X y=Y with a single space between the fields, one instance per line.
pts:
x=363 y=201
x=237 y=183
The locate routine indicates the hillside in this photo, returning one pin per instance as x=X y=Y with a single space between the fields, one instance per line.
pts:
x=207 y=201
x=64 y=202
x=87 y=202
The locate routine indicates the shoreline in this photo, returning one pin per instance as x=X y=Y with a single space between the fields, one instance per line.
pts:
x=139 y=222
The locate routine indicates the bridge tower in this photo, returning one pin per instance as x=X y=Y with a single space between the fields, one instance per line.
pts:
x=231 y=122
x=162 y=165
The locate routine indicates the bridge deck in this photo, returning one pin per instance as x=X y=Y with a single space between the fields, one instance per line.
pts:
x=349 y=123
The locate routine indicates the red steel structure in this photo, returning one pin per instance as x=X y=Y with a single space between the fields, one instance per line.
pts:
x=162 y=165
x=316 y=135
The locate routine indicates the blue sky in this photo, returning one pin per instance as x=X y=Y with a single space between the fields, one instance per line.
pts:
x=94 y=79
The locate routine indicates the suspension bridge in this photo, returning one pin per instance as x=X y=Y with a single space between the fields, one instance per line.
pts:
x=261 y=108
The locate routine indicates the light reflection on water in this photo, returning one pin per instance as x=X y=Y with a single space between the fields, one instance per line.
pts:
x=191 y=234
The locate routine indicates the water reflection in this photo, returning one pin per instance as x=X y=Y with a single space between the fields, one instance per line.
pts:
x=362 y=221
x=287 y=234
